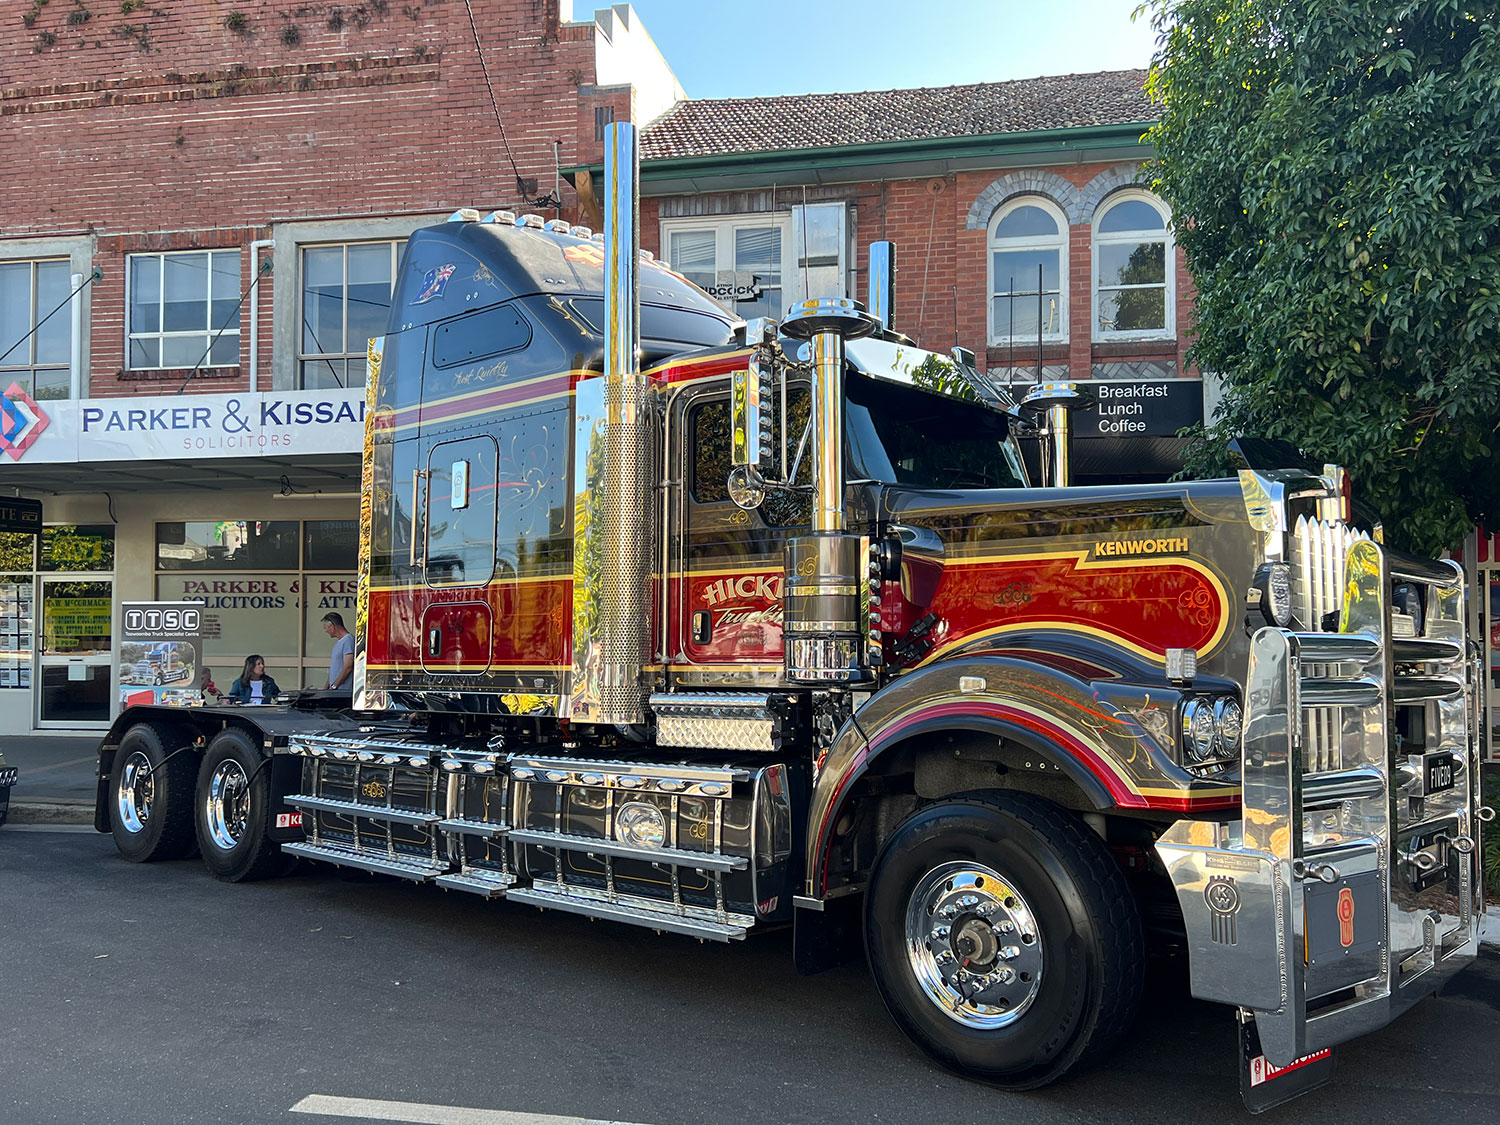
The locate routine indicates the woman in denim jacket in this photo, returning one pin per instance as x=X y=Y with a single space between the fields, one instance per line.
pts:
x=253 y=686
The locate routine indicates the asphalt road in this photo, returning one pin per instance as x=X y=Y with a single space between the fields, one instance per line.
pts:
x=152 y=993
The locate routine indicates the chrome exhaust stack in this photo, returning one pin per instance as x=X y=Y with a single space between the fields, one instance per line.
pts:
x=614 y=456
x=825 y=608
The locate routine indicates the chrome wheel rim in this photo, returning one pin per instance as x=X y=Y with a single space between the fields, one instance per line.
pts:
x=227 y=809
x=973 y=945
x=137 y=790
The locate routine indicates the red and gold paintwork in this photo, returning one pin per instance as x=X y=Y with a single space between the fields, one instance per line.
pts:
x=1146 y=605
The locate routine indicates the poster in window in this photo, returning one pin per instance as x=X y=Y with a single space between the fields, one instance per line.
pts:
x=160 y=653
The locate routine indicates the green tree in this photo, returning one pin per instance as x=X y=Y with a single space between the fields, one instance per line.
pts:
x=1334 y=172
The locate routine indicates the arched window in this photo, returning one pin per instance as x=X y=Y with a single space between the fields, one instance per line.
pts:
x=1133 y=279
x=1028 y=260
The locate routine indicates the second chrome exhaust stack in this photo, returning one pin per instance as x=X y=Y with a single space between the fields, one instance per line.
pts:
x=614 y=456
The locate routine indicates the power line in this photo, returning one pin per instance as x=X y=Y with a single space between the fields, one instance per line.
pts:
x=546 y=201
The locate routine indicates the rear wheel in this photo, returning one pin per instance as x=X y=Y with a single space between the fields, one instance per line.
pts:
x=233 y=811
x=1003 y=938
x=151 y=795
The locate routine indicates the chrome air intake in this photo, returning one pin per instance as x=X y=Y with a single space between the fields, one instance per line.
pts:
x=1057 y=401
x=824 y=611
x=614 y=454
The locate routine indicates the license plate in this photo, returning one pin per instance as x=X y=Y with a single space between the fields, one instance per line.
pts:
x=1437 y=772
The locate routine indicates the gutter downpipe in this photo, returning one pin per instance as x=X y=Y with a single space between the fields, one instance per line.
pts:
x=75 y=366
x=255 y=248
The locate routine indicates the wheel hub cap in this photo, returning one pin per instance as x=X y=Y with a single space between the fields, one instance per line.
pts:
x=228 y=804
x=137 y=788
x=973 y=945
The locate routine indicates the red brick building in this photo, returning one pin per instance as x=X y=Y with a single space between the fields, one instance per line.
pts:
x=223 y=189
x=1022 y=231
x=207 y=201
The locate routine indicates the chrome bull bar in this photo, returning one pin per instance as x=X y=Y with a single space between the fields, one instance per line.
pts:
x=1343 y=895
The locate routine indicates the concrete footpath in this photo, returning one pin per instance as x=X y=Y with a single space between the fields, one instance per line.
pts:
x=55 y=782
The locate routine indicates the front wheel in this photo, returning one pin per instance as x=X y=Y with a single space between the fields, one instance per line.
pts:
x=1003 y=938
x=233 y=810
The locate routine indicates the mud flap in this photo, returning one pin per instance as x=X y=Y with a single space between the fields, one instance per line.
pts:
x=1263 y=1086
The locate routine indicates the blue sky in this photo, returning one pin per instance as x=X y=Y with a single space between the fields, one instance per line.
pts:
x=745 y=48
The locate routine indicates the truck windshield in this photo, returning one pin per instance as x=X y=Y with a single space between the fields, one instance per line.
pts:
x=902 y=435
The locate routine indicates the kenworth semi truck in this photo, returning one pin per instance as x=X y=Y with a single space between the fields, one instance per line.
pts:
x=712 y=627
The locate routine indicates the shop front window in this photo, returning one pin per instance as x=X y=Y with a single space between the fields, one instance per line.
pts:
x=77 y=547
x=227 y=545
x=17 y=609
x=264 y=586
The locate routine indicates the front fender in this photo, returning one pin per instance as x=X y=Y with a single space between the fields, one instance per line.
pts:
x=1073 y=705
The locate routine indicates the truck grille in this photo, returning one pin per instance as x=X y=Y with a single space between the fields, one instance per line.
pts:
x=1319 y=551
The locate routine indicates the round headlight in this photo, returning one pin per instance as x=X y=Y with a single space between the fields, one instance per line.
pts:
x=1198 y=729
x=640 y=824
x=1229 y=722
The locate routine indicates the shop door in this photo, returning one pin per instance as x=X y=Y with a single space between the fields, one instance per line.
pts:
x=76 y=651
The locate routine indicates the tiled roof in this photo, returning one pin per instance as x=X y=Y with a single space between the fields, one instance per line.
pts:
x=730 y=126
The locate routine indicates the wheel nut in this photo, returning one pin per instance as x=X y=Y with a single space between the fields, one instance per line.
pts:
x=1010 y=952
x=942 y=932
x=1004 y=976
x=1006 y=927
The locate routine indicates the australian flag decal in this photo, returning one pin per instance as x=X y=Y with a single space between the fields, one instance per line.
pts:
x=434 y=281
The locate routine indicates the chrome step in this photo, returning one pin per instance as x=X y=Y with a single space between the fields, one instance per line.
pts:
x=1423 y=650
x=636 y=912
x=1337 y=786
x=680 y=857
x=486 y=828
x=1336 y=648
x=412 y=869
x=354 y=808
x=1319 y=692
x=471 y=881
x=1427 y=689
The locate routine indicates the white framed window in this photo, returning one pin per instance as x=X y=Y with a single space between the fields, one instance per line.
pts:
x=790 y=255
x=345 y=298
x=36 y=349
x=1134 y=290
x=1028 y=263
x=182 y=309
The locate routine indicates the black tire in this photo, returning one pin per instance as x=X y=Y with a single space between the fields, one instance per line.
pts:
x=151 y=794
x=232 y=809
x=1074 y=988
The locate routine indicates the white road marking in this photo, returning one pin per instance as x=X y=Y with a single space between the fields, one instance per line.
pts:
x=48 y=828
x=423 y=1114
x=31 y=771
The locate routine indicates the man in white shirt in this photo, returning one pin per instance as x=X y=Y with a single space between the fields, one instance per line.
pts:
x=341 y=663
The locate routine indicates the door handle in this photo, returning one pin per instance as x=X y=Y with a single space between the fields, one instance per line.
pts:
x=434 y=641
x=416 y=493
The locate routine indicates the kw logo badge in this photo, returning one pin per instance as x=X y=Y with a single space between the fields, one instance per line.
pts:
x=21 y=421
x=1223 y=899
x=1346 y=917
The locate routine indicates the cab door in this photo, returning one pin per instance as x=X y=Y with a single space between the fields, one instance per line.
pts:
x=459 y=554
x=726 y=581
